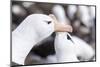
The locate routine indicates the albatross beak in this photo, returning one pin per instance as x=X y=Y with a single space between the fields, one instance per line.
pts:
x=60 y=27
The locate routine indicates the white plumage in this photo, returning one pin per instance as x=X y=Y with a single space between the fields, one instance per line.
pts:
x=64 y=48
x=83 y=49
x=68 y=50
x=30 y=32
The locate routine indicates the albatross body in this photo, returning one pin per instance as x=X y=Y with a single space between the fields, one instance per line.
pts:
x=30 y=32
x=68 y=50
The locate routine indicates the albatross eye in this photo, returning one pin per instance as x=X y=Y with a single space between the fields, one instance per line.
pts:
x=68 y=37
x=48 y=22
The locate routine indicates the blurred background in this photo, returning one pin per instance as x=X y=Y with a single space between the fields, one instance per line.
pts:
x=81 y=17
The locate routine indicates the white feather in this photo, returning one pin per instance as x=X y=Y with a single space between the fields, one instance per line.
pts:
x=29 y=33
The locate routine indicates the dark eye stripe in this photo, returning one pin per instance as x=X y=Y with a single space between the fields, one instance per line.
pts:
x=48 y=22
x=68 y=37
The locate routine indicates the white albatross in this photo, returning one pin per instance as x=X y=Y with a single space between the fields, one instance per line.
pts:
x=68 y=48
x=30 y=32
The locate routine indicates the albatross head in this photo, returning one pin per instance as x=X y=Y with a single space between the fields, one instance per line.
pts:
x=32 y=30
